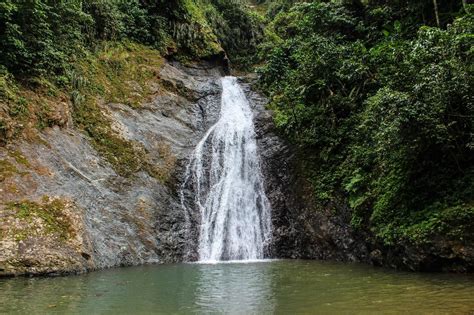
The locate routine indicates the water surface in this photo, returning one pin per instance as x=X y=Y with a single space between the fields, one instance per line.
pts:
x=281 y=287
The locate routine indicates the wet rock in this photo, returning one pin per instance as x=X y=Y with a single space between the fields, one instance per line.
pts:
x=300 y=228
x=436 y=255
x=376 y=257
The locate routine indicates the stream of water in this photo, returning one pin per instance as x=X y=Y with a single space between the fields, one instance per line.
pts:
x=228 y=186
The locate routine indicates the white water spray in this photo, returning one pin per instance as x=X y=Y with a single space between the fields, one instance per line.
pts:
x=228 y=184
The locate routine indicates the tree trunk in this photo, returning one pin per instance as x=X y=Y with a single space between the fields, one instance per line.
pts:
x=464 y=5
x=435 y=4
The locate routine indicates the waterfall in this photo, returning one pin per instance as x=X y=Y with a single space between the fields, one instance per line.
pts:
x=224 y=173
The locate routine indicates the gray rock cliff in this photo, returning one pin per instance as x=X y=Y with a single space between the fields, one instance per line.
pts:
x=111 y=220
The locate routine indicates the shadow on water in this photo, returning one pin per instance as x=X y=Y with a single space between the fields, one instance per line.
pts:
x=252 y=288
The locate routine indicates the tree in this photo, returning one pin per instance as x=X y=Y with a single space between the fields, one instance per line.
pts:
x=435 y=5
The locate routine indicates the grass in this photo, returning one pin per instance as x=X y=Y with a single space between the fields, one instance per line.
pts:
x=118 y=73
x=26 y=108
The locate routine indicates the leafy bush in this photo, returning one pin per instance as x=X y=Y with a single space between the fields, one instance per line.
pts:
x=40 y=38
x=36 y=36
x=382 y=116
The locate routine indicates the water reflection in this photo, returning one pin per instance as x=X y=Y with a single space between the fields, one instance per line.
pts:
x=235 y=288
x=279 y=287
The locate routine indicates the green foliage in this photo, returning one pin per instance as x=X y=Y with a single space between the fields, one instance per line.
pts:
x=238 y=29
x=382 y=115
x=41 y=38
x=192 y=31
x=37 y=36
x=108 y=19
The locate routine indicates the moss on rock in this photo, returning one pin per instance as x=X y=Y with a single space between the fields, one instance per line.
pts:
x=40 y=218
x=7 y=169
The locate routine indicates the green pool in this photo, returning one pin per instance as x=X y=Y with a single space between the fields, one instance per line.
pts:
x=281 y=287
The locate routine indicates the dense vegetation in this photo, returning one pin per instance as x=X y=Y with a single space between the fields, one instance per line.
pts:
x=376 y=95
x=378 y=98
x=41 y=37
x=71 y=56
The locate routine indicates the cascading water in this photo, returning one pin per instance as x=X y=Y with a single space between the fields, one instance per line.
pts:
x=224 y=171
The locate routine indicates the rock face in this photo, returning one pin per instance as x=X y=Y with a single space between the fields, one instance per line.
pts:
x=63 y=208
x=299 y=231
x=115 y=221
